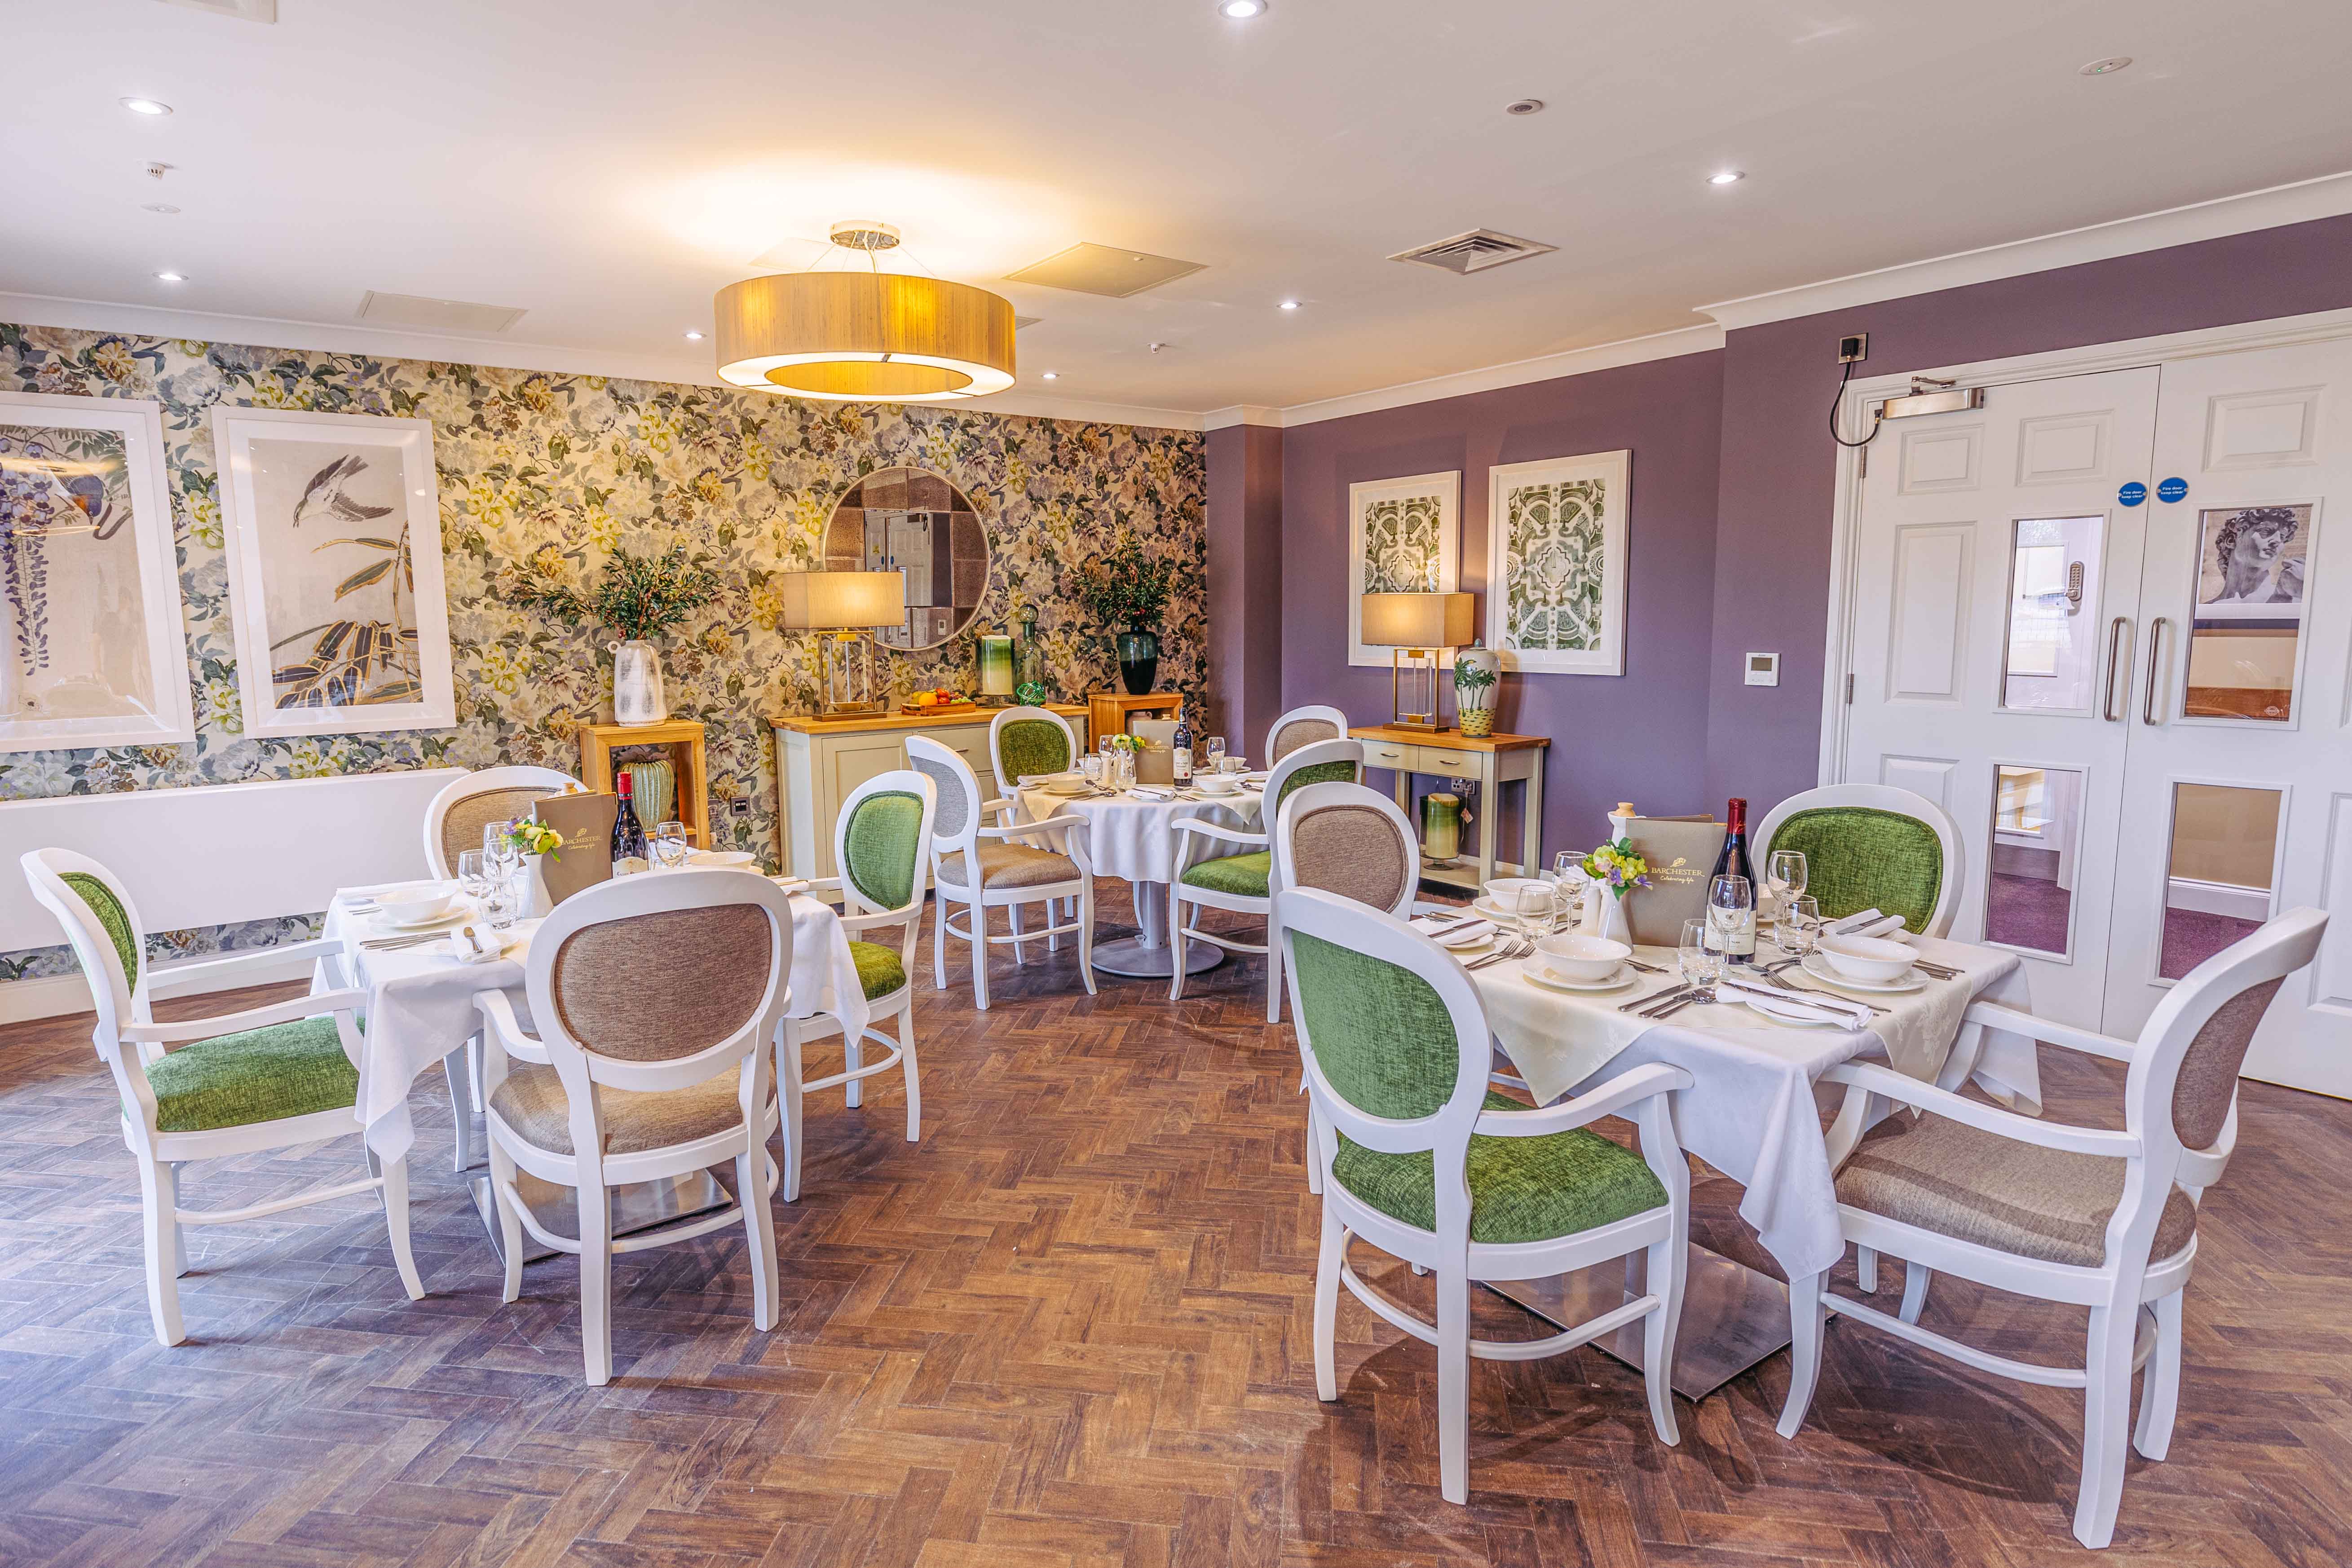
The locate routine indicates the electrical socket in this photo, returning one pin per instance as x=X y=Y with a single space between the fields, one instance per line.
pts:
x=739 y=808
x=1853 y=349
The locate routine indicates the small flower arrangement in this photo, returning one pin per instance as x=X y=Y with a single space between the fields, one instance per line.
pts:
x=1618 y=867
x=1131 y=745
x=536 y=838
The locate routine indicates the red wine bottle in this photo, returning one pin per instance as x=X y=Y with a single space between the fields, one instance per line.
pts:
x=629 y=832
x=1740 y=945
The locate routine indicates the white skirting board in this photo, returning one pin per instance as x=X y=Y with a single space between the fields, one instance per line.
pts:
x=54 y=996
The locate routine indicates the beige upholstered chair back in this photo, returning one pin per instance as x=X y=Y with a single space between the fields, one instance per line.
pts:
x=655 y=987
x=1347 y=839
x=454 y=822
x=1303 y=727
x=1156 y=764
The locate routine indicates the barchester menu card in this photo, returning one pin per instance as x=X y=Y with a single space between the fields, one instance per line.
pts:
x=1681 y=851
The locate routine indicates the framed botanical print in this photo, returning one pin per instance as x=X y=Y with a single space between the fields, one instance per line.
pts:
x=1404 y=536
x=333 y=531
x=92 y=648
x=1555 y=563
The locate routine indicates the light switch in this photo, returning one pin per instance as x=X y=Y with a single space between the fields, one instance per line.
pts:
x=1763 y=669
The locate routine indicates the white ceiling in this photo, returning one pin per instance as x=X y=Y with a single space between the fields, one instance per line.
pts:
x=609 y=165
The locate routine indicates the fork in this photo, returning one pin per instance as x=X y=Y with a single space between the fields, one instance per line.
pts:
x=1516 y=947
x=387 y=944
x=1780 y=985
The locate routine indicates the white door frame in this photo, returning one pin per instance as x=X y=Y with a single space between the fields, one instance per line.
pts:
x=1860 y=398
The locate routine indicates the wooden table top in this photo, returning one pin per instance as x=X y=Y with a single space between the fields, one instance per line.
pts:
x=1451 y=739
x=809 y=724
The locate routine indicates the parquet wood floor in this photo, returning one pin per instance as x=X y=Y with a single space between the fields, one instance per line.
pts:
x=1071 y=1327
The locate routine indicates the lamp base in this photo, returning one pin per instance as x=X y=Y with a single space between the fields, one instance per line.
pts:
x=853 y=709
x=1423 y=721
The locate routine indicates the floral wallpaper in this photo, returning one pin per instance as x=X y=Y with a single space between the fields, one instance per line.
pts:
x=560 y=470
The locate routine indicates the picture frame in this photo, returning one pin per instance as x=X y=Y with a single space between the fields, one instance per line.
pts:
x=343 y=630
x=1404 y=536
x=93 y=638
x=1556 y=554
x=2252 y=561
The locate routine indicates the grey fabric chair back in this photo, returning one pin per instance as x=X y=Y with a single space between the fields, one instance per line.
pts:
x=1351 y=840
x=959 y=788
x=655 y=987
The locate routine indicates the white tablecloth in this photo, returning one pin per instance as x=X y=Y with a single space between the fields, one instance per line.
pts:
x=421 y=1004
x=1132 y=837
x=1750 y=1113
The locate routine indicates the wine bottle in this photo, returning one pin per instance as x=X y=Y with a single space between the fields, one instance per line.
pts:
x=1180 y=745
x=1739 y=938
x=629 y=832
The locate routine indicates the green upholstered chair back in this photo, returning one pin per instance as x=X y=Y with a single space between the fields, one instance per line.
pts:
x=1858 y=858
x=113 y=920
x=882 y=844
x=101 y=925
x=1025 y=741
x=1384 y=1038
x=1319 y=761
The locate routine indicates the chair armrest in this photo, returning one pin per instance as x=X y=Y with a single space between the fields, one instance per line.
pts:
x=1622 y=1091
x=1208 y=829
x=1985 y=1117
x=1993 y=1016
x=882 y=918
x=816 y=884
x=1057 y=821
x=183 y=977
x=187 y=1031
x=499 y=1013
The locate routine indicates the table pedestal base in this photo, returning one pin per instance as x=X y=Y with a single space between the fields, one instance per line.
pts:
x=1130 y=956
x=641 y=1206
x=1733 y=1317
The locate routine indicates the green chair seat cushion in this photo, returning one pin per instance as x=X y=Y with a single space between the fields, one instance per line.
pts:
x=880 y=970
x=1029 y=746
x=260 y=1075
x=882 y=848
x=1243 y=875
x=111 y=916
x=1521 y=1189
x=1858 y=858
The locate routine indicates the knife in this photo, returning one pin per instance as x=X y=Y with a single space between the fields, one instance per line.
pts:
x=1643 y=1003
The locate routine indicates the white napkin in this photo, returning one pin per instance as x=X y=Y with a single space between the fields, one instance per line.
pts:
x=1854 y=1013
x=1866 y=923
x=471 y=943
x=1152 y=791
x=1452 y=930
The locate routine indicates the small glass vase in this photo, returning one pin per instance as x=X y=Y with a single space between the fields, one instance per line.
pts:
x=1029 y=660
x=637 y=694
x=1139 y=660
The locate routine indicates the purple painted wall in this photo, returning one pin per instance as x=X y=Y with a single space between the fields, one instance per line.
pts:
x=1778 y=467
x=1244 y=584
x=1640 y=736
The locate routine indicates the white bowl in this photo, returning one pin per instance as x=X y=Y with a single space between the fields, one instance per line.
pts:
x=1870 y=958
x=1592 y=958
x=1218 y=783
x=719 y=860
x=416 y=905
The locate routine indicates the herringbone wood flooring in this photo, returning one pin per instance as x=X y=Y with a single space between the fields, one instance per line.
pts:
x=1071 y=1327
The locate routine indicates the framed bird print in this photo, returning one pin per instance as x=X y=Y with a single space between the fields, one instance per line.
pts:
x=92 y=648
x=333 y=524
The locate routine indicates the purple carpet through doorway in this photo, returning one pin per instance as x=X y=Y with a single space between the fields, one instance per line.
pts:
x=2026 y=911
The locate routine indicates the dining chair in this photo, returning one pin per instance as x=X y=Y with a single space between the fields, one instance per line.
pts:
x=1221 y=866
x=2079 y=1215
x=1304 y=727
x=234 y=1084
x=1872 y=847
x=881 y=841
x=1424 y=1161
x=656 y=999
x=986 y=868
x=1023 y=742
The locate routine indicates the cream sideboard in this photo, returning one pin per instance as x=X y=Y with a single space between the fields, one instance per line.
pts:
x=1492 y=761
x=820 y=760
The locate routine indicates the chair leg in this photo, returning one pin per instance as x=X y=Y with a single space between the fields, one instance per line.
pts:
x=1273 y=970
x=1314 y=1148
x=2159 y=1388
x=1915 y=1278
x=1176 y=942
x=1326 y=1304
x=2107 y=1421
x=461 y=1107
x=1865 y=1270
x=853 y=1057
x=1667 y=1263
x=979 y=919
x=1012 y=920
x=760 y=1232
x=179 y=1231
x=1053 y=919
x=1453 y=1379
x=502 y=1176
x=394 y=1191
x=788 y=1085
x=914 y=1077
x=1807 y=1318
x=159 y=1208
x=1085 y=906
x=595 y=1207
x=938 y=940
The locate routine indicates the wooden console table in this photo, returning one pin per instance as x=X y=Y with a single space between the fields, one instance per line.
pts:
x=1107 y=712
x=1493 y=760
x=682 y=739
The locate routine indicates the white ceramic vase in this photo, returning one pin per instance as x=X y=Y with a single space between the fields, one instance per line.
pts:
x=1604 y=915
x=536 y=902
x=637 y=695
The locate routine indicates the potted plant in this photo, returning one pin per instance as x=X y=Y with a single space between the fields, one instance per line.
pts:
x=640 y=598
x=1477 y=669
x=1128 y=589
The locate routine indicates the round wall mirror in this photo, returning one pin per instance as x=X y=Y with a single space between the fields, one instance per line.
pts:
x=918 y=522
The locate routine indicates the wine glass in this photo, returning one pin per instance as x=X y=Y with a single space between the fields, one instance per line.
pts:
x=1801 y=927
x=502 y=901
x=1701 y=957
x=1093 y=765
x=498 y=852
x=1731 y=912
x=1785 y=876
x=1216 y=745
x=472 y=873
x=670 y=845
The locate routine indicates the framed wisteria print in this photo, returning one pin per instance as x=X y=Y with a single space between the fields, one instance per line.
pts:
x=332 y=527
x=1404 y=536
x=1555 y=563
x=92 y=650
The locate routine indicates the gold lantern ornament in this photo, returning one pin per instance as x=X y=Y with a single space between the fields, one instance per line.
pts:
x=866 y=336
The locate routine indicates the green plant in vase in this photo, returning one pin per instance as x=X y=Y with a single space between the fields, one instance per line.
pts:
x=1128 y=589
x=640 y=598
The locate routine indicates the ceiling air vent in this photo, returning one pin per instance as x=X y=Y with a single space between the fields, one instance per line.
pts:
x=251 y=10
x=1106 y=270
x=1474 y=252
x=418 y=313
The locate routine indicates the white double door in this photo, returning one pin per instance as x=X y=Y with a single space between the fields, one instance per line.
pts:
x=2104 y=621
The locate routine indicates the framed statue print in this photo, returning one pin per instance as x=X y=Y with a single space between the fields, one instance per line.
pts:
x=1555 y=563
x=92 y=648
x=333 y=524
x=1404 y=536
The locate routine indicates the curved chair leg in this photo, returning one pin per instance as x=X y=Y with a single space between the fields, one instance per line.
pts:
x=1085 y=902
x=1314 y=1146
x=1453 y=1380
x=159 y=1210
x=2107 y=1421
x=1326 y=1305
x=1176 y=942
x=2159 y=1390
x=502 y=1176
x=1273 y=969
x=1915 y=1278
x=596 y=1209
x=1865 y=1270
x=913 y=1076
x=759 y=1231
x=1667 y=1263
x=461 y=1105
x=853 y=1057
x=179 y=1231
x=395 y=1193
x=1807 y=1318
x=939 y=939
x=788 y=1090
x=977 y=917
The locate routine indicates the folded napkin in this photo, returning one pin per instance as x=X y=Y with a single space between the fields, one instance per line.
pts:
x=1454 y=930
x=471 y=943
x=1854 y=1013
x=1152 y=791
x=1866 y=923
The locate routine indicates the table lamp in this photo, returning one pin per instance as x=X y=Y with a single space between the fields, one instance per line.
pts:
x=843 y=604
x=1417 y=628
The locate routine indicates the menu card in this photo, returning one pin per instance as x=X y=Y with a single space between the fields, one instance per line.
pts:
x=1681 y=851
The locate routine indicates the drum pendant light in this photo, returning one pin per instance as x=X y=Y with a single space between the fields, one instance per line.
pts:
x=864 y=336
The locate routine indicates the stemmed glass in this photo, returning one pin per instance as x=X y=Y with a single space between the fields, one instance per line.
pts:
x=1785 y=876
x=1730 y=908
x=670 y=847
x=500 y=855
x=472 y=873
x=501 y=901
x=1216 y=754
x=1700 y=955
x=1801 y=927
x=1094 y=765
x=1535 y=909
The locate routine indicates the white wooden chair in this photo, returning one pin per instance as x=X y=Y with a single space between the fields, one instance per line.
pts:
x=1870 y=846
x=2093 y=1218
x=655 y=998
x=274 y=1077
x=1220 y=866
x=1304 y=727
x=453 y=823
x=986 y=868
x=1395 y=1045
x=881 y=841
x=1024 y=741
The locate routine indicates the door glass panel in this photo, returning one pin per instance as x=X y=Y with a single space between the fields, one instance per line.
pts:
x=2053 y=611
x=2224 y=845
x=2036 y=833
x=2245 y=640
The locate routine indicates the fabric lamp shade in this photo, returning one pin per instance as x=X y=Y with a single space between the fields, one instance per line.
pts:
x=1417 y=620
x=829 y=601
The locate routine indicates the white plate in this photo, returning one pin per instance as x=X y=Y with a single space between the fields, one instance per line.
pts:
x=1795 y=1014
x=1626 y=974
x=1494 y=913
x=1819 y=968
x=1068 y=790
x=385 y=926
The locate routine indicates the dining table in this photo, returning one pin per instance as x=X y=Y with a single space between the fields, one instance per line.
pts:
x=1132 y=834
x=1750 y=1112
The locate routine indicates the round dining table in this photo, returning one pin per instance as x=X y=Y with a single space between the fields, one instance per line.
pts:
x=1133 y=837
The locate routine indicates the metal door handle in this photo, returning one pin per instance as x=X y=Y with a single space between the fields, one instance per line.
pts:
x=2116 y=629
x=2155 y=652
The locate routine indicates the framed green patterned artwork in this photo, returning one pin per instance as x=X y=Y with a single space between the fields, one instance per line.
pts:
x=1404 y=536
x=1555 y=563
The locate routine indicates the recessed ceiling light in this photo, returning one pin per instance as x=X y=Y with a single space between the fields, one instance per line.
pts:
x=146 y=106
x=1290 y=304
x=694 y=337
x=2107 y=67
x=1728 y=177
x=1241 y=10
x=1524 y=106
x=159 y=208
x=173 y=276
x=1052 y=375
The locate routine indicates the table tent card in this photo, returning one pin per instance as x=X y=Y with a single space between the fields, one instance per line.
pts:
x=1681 y=851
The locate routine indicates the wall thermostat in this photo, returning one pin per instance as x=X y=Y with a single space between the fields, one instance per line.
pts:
x=1763 y=669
